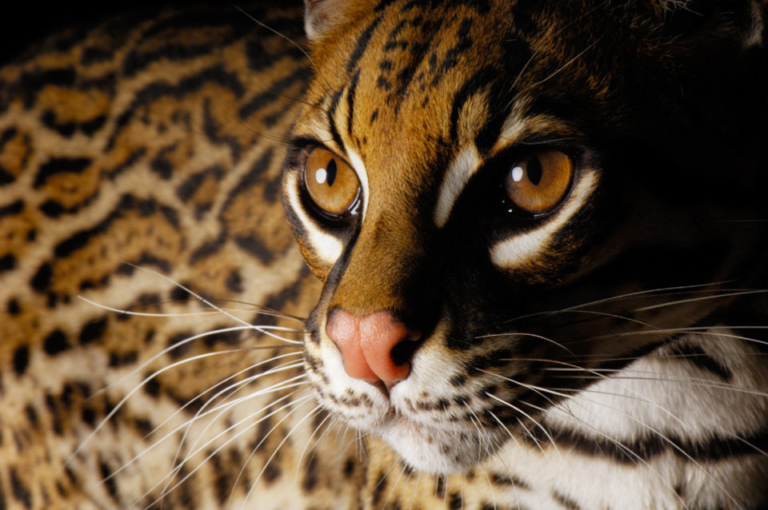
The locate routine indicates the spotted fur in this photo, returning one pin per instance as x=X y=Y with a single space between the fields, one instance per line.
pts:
x=608 y=354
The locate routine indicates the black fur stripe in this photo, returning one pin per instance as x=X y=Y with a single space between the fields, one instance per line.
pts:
x=155 y=91
x=58 y=166
x=81 y=238
x=716 y=449
x=331 y=121
x=697 y=356
x=12 y=209
x=166 y=48
x=362 y=44
x=269 y=97
x=251 y=245
x=351 y=100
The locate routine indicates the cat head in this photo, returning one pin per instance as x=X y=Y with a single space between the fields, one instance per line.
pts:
x=492 y=189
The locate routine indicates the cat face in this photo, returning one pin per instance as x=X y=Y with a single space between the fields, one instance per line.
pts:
x=492 y=191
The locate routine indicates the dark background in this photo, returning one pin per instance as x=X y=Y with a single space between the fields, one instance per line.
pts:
x=26 y=21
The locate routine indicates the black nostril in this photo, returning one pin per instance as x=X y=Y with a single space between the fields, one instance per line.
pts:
x=403 y=351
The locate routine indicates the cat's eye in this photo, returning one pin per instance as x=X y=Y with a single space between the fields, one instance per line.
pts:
x=539 y=183
x=331 y=183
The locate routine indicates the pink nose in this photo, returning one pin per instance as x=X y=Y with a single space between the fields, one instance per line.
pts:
x=375 y=348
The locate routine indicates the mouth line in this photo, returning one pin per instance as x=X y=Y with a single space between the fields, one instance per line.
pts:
x=394 y=421
x=394 y=418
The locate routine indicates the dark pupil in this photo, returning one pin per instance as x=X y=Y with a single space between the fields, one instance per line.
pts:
x=330 y=172
x=534 y=171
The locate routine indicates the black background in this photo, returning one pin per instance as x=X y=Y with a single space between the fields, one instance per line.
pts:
x=23 y=22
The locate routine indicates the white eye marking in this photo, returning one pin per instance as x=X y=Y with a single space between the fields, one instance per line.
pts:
x=321 y=175
x=357 y=164
x=327 y=247
x=517 y=174
x=461 y=169
x=523 y=249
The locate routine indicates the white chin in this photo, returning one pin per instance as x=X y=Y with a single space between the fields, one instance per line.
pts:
x=433 y=450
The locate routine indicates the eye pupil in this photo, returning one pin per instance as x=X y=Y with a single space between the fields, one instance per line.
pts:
x=331 y=172
x=534 y=171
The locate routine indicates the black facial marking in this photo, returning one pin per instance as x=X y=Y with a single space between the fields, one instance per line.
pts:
x=351 y=101
x=463 y=44
x=331 y=121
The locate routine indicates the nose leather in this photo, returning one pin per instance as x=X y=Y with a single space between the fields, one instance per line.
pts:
x=366 y=345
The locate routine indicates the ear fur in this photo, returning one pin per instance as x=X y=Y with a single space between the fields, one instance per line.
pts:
x=749 y=15
x=322 y=15
x=758 y=33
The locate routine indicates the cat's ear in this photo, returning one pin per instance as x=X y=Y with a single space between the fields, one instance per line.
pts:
x=746 y=16
x=322 y=15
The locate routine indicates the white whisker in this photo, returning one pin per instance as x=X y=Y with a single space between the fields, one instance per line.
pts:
x=187 y=424
x=260 y=329
x=272 y=456
x=223 y=381
x=140 y=386
x=701 y=298
x=532 y=419
x=176 y=470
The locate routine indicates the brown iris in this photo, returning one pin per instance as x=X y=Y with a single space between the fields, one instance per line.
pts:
x=331 y=183
x=538 y=184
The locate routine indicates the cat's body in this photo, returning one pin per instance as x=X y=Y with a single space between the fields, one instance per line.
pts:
x=540 y=229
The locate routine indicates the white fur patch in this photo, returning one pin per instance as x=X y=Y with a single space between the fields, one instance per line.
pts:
x=513 y=129
x=461 y=169
x=362 y=174
x=327 y=247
